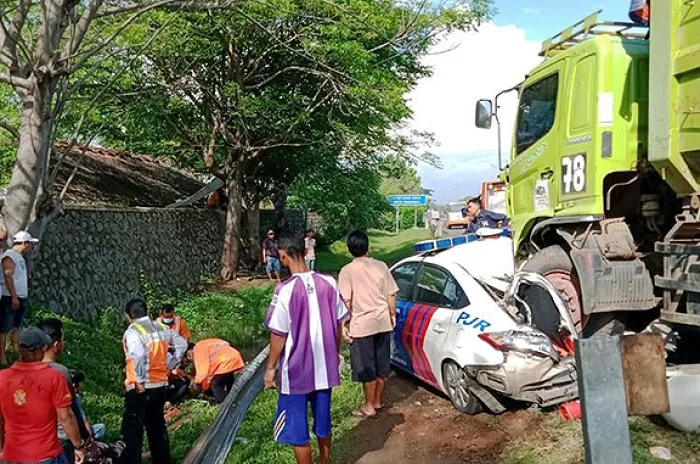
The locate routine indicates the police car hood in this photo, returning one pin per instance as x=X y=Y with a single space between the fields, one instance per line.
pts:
x=489 y=260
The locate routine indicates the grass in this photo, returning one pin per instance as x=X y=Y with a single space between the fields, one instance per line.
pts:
x=96 y=349
x=255 y=445
x=559 y=442
x=384 y=246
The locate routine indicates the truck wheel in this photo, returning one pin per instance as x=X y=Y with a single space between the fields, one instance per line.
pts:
x=554 y=263
x=456 y=383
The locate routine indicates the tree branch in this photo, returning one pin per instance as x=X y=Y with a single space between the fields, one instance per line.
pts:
x=81 y=29
x=13 y=132
x=170 y=4
x=14 y=81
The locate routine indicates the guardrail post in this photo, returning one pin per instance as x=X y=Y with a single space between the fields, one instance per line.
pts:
x=603 y=401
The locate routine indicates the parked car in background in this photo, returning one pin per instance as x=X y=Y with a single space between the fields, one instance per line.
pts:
x=472 y=327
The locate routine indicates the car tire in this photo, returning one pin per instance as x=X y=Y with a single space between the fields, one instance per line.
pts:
x=456 y=385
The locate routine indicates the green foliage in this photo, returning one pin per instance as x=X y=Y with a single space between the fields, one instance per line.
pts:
x=96 y=349
x=345 y=197
x=384 y=246
x=255 y=444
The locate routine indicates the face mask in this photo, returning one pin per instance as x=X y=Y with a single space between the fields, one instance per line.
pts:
x=168 y=320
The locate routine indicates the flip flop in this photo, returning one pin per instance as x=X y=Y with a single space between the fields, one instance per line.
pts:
x=361 y=414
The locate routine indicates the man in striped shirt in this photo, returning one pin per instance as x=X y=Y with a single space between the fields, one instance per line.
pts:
x=305 y=320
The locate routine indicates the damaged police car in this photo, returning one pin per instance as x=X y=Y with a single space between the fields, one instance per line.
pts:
x=471 y=326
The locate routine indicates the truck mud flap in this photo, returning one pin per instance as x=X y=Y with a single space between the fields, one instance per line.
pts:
x=612 y=285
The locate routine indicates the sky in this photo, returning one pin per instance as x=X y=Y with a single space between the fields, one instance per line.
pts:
x=479 y=65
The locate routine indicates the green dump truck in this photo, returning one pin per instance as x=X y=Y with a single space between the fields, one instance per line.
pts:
x=603 y=181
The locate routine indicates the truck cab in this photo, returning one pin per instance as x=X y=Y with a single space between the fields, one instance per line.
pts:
x=599 y=196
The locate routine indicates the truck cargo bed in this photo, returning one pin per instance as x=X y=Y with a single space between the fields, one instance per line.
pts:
x=674 y=94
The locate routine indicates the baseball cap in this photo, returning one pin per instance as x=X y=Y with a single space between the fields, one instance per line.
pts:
x=33 y=338
x=24 y=236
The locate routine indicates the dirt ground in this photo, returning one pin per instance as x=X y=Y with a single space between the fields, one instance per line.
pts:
x=421 y=427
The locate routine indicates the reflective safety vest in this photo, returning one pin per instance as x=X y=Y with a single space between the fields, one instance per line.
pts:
x=214 y=357
x=179 y=326
x=146 y=345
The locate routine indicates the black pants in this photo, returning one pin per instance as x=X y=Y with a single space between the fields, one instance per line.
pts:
x=145 y=411
x=221 y=384
x=177 y=390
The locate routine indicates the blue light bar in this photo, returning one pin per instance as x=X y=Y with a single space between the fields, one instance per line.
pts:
x=444 y=243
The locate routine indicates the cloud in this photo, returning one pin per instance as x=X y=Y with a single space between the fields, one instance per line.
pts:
x=478 y=65
x=531 y=11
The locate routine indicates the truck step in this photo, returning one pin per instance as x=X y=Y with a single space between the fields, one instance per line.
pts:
x=686 y=285
x=666 y=248
x=680 y=318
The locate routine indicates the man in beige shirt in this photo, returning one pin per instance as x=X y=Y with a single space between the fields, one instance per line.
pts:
x=369 y=290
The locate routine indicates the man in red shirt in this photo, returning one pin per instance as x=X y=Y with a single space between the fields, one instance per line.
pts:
x=33 y=399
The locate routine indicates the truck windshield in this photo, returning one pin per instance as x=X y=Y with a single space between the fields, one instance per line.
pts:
x=536 y=113
x=457 y=207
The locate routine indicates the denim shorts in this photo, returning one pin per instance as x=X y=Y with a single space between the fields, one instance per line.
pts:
x=273 y=265
x=11 y=318
x=57 y=460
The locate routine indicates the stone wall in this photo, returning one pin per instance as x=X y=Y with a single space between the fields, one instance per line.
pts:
x=91 y=259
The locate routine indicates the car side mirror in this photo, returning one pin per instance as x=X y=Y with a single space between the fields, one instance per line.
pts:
x=484 y=114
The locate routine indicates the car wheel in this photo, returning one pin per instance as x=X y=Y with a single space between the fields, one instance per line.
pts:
x=456 y=383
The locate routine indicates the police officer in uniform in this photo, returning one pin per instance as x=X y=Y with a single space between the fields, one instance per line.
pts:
x=483 y=218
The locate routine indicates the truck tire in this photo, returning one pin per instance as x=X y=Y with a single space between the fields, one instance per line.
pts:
x=554 y=263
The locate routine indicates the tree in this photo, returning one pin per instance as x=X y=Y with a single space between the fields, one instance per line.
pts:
x=43 y=43
x=250 y=94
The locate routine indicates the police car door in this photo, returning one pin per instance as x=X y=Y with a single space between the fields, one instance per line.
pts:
x=405 y=276
x=437 y=297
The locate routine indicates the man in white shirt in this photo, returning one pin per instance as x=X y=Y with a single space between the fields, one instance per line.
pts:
x=14 y=289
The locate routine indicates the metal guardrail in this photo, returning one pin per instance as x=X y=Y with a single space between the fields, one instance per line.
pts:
x=214 y=445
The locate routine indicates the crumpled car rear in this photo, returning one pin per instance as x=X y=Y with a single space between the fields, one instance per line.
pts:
x=533 y=379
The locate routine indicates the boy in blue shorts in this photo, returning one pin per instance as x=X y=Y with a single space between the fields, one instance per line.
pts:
x=305 y=320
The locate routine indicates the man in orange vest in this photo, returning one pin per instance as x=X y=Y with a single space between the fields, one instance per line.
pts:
x=216 y=364
x=174 y=322
x=146 y=346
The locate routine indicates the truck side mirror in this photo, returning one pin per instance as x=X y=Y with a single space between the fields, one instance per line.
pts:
x=484 y=114
x=464 y=212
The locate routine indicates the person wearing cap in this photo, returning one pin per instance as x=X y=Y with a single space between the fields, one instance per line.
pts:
x=34 y=398
x=215 y=364
x=483 y=217
x=174 y=322
x=53 y=328
x=14 y=289
x=271 y=257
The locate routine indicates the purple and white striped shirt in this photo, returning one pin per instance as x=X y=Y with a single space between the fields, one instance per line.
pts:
x=307 y=309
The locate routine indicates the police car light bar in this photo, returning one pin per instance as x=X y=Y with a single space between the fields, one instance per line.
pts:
x=445 y=243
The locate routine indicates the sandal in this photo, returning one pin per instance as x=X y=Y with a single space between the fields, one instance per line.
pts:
x=361 y=414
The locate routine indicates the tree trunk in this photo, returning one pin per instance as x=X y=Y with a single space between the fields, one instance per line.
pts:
x=230 y=254
x=25 y=194
x=253 y=238
x=280 y=205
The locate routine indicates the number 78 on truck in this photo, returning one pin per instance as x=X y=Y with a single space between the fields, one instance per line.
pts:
x=603 y=177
